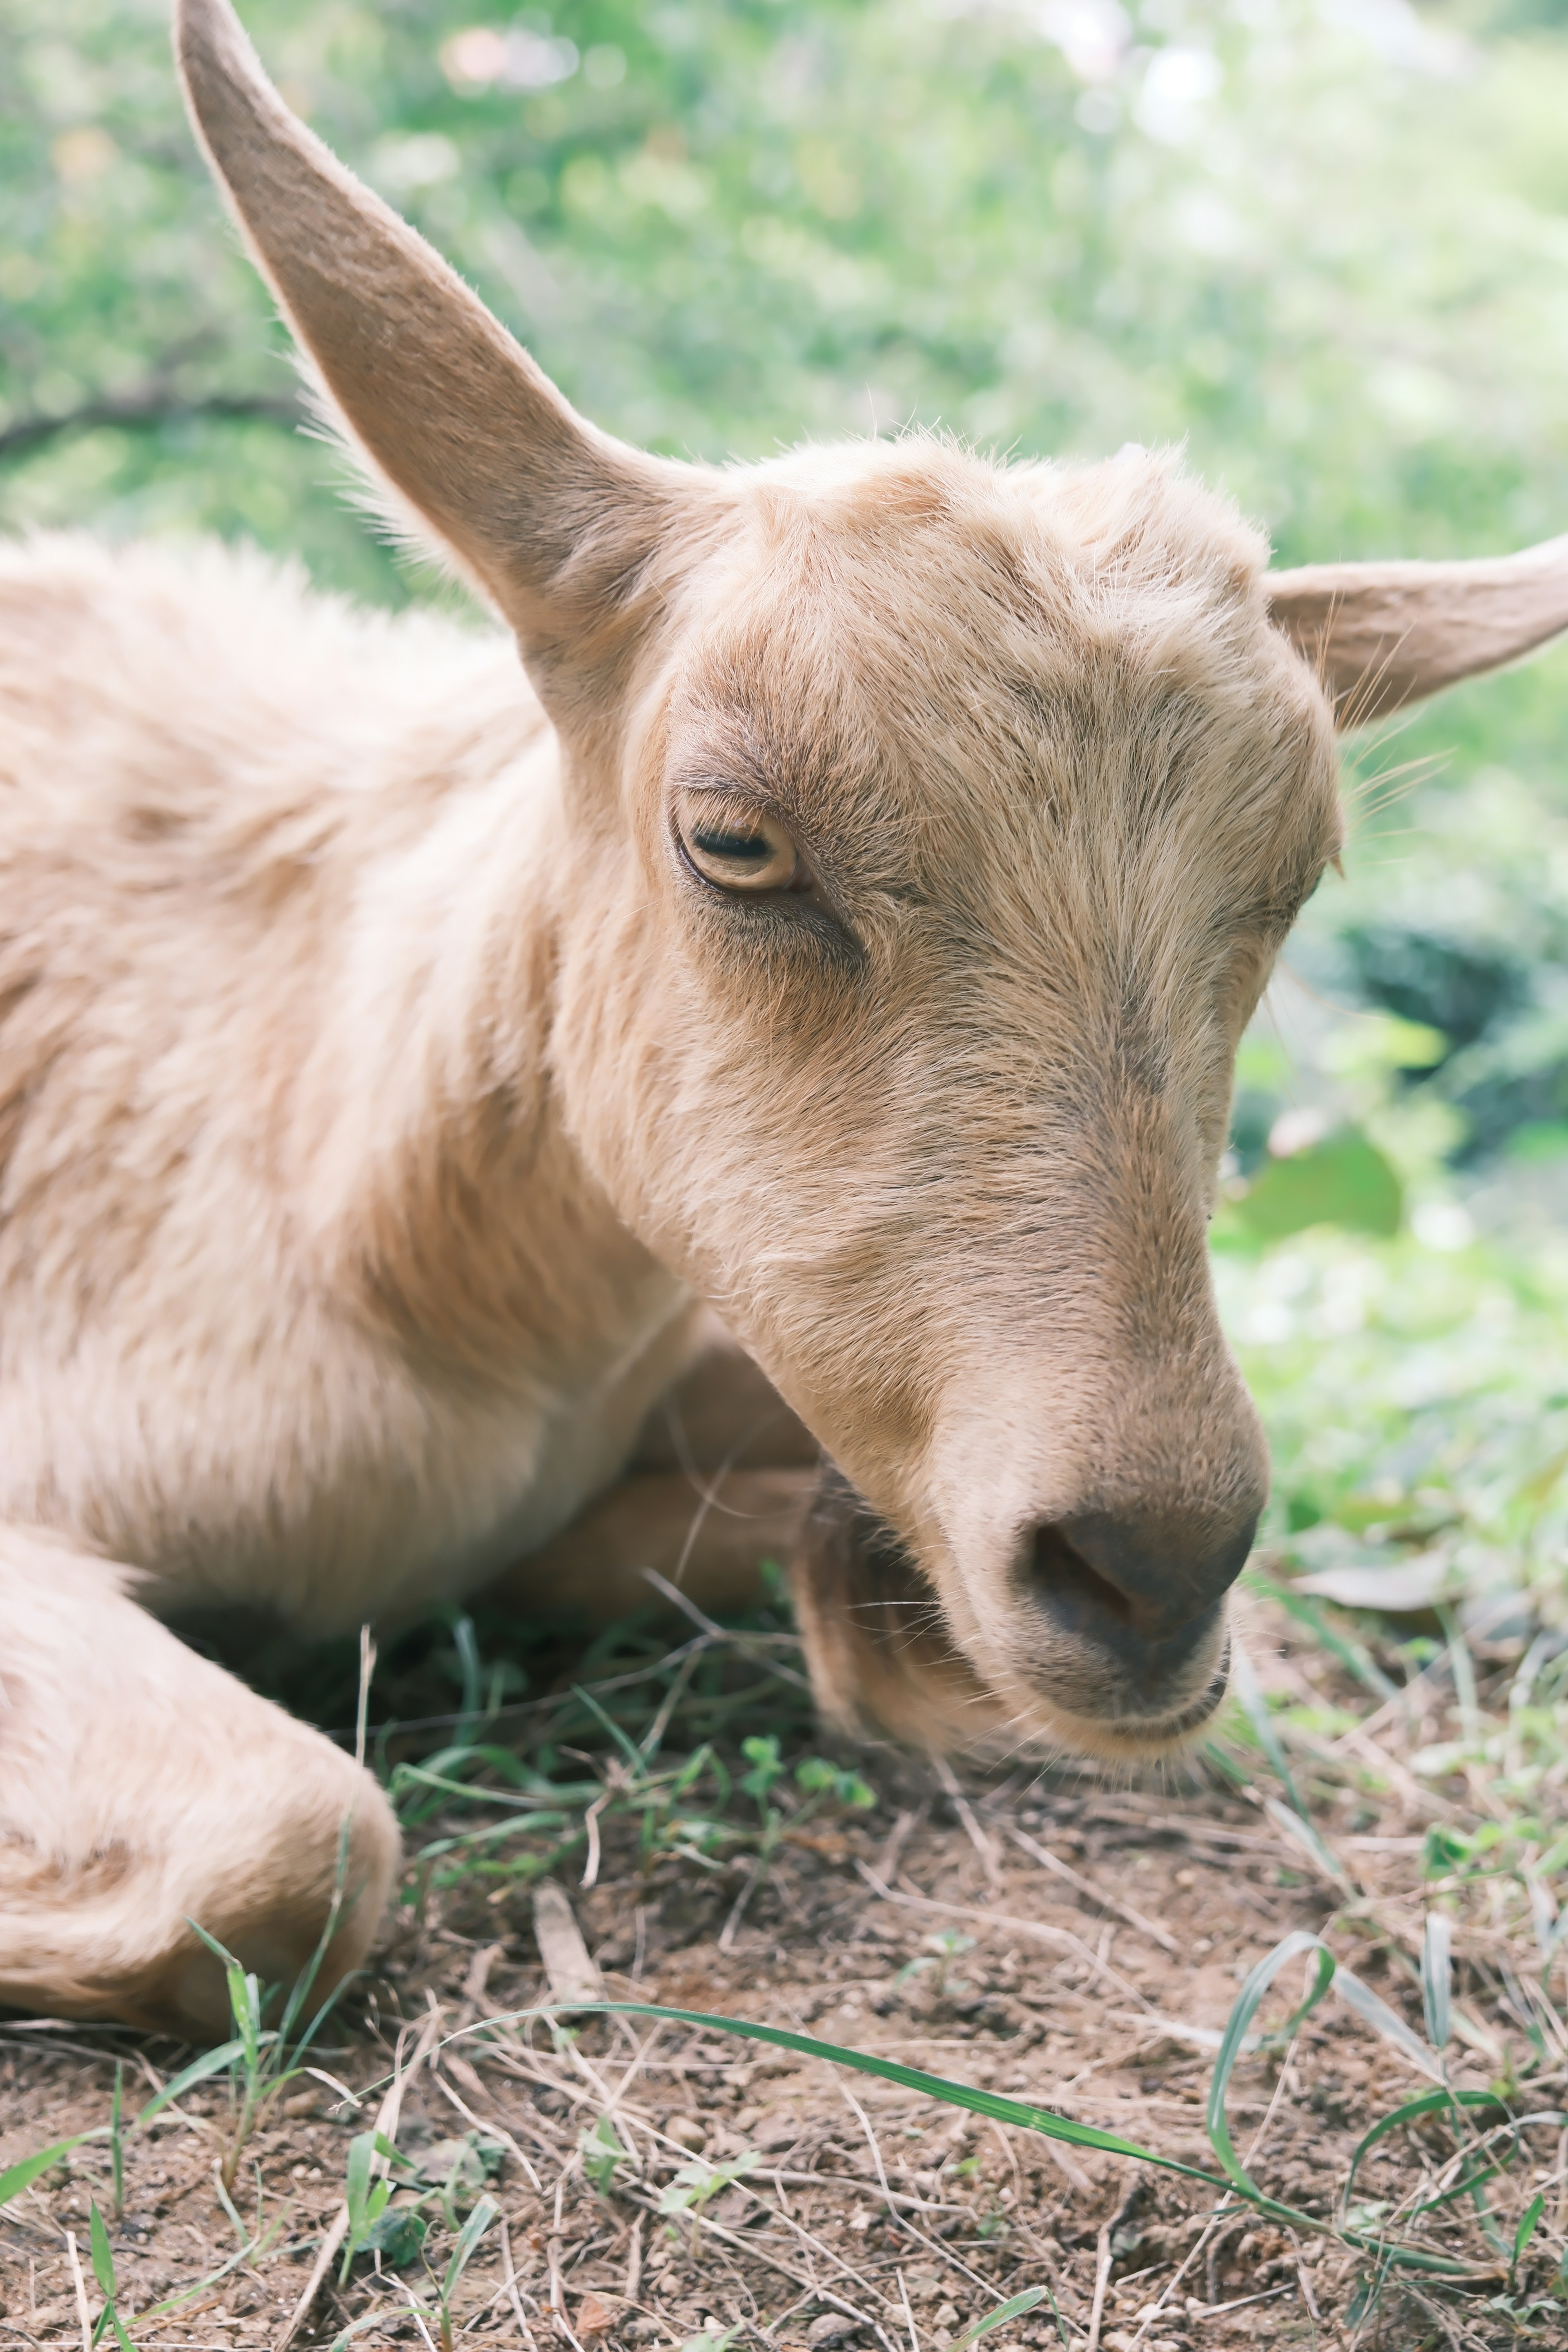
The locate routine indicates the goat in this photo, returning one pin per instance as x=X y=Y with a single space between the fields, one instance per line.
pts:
x=843 y=921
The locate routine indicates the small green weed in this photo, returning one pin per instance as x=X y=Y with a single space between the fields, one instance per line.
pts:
x=602 y=2155
x=941 y=1949
x=697 y=2184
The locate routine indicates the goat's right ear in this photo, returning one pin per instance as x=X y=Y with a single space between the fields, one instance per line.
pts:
x=1380 y=635
x=556 y=522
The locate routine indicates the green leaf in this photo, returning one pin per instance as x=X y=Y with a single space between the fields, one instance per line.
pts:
x=602 y=2155
x=1028 y=2300
x=1343 y=1181
x=762 y=1753
x=698 y=2183
x=465 y=2163
x=1443 y=1852
x=397 y=2236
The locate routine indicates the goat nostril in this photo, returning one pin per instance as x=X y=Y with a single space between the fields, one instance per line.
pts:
x=1060 y=1569
x=1138 y=1579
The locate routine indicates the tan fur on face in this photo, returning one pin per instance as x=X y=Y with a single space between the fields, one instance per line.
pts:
x=1064 y=788
x=381 y=1087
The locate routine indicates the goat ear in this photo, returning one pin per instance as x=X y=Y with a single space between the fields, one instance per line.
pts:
x=554 y=520
x=1382 y=635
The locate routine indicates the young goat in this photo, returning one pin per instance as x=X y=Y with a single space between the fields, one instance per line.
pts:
x=848 y=924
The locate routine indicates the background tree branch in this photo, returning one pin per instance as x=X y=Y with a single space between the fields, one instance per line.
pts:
x=142 y=411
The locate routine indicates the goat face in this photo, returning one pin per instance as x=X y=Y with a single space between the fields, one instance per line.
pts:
x=930 y=829
x=958 y=815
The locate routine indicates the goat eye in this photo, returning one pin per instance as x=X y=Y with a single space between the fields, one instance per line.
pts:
x=738 y=849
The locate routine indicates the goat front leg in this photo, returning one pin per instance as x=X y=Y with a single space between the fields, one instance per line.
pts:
x=142 y=1788
x=721 y=1479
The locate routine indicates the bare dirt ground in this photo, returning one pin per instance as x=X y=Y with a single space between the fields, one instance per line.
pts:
x=1047 y=1936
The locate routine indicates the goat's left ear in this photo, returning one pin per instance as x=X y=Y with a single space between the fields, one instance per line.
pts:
x=558 y=523
x=1382 y=635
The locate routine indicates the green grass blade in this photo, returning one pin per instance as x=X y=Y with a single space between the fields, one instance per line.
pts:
x=1437 y=1976
x=109 y=2317
x=103 y=2272
x=1042 y=2120
x=356 y=2196
x=117 y=2139
x=1382 y=2020
x=211 y=2062
x=1430 y=2103
x=1352 y=1655
x=22 y=2174
x=1255 y=1707
x=357 y=2327
x=636 y=1762
x=1241 y=2016
x=466 y=1642
x=1526 y=2230
x=1031 y=2296
x=491 y=1832
x=102 y=2251
x=473 y=2230
x=1300 y=1833
x=244 y=1997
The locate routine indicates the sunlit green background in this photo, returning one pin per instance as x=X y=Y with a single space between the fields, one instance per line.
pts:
x=1323 y=242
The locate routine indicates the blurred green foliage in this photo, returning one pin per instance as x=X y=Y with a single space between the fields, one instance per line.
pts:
x=1323 y=242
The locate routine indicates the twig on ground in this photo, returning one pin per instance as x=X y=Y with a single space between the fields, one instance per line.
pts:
x=1087 y=1886
x=986 y=1847
x=311 y=2288
x=1101 y=2281
x=82 y=2313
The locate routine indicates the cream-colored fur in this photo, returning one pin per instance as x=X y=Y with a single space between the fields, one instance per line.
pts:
x=382 y=1085
x=145 y=1789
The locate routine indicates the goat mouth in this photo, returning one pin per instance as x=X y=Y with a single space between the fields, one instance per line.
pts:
x=1103 y=1724
x=1192 y=1717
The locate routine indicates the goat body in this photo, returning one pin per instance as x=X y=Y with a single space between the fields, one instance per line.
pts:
x=849 y=928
